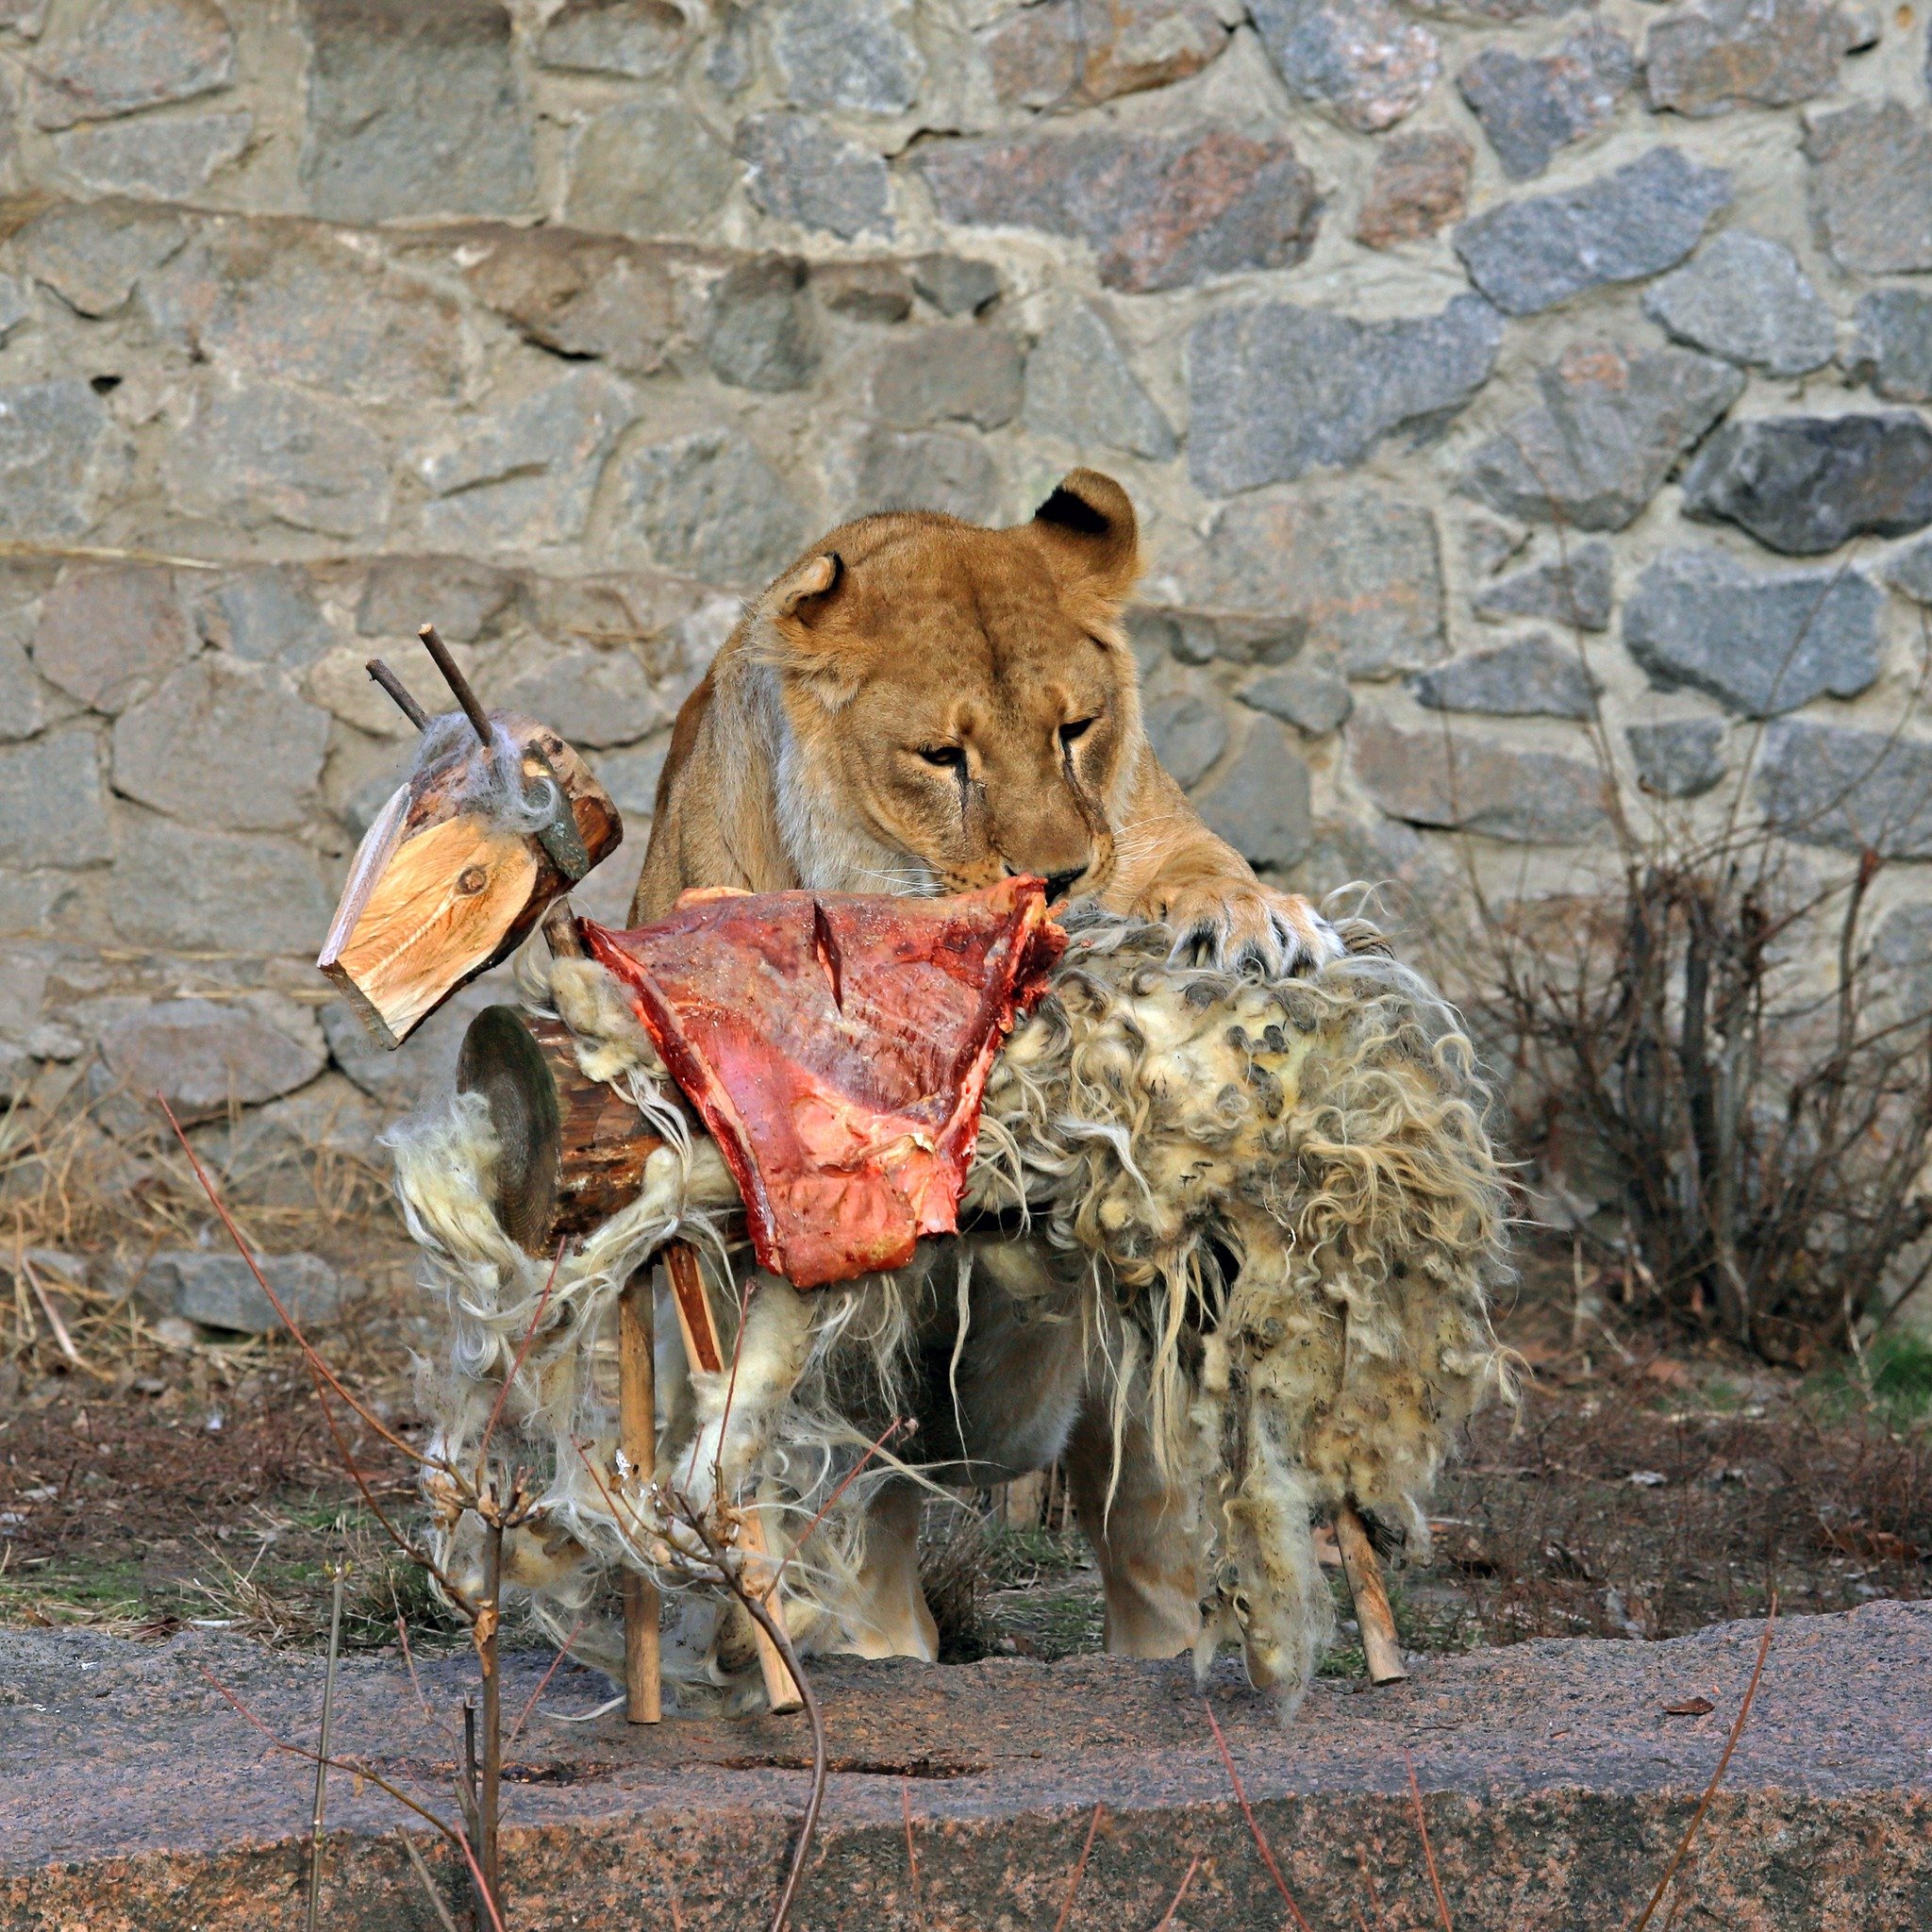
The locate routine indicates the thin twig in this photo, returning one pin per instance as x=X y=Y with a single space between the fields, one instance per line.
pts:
x=328 y=1714
x=458 y=683
x=911 y=1855
x=1187 y=1879
x=523 y=1355
x=408 y=1657
x=1080 y=1871
x=1683 y=1850
x=1254 y=1825
x=1421 y=1824
x=399 y=691
x=62 y=1337
x=808 y=1830
x=892 y=1429
x=423 y=1872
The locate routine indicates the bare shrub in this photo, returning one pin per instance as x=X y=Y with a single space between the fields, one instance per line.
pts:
x=1709 y=1024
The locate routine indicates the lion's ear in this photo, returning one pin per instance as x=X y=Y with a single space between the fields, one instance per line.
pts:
x=1088 y=529
x=804 y=595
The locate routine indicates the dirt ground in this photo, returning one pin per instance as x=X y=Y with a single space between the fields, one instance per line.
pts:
x=1647 y=1484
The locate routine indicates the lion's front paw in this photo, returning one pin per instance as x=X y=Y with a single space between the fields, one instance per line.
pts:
x=1229 y=924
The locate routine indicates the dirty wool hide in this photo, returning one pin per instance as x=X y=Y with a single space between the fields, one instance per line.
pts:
x=1253 y=1225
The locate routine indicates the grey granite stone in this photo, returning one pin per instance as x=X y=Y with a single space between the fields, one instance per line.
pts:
x=247 y=298
x=259 y=451
x=59 y=458
x=1830 y=785
x=582 y=295
x=1608 y=430
x=927 y=468
x=1477 y=785
x=1161 y=209
x=223 y=742
x=1682 y=758
x=631 y=775
x=760 y=331
x=1805 y=484
x=1531 y=677
x=1276 y=390
x=955 y=284
x=1892 y=350
x=1759 y=645
x=526 y=476
x=52 y=808
x=1529 y=108
x=415 y=110
x=464 y=599
x=1259 y=805
x=804 y=171
x=108 y=632
x=1350 y=573
x=121 y=56
x=1187 y=728
x=648 y=167
x=711 y=505
x=1719 y=55
x=1357 y=60
x=638 y=40
x=850 y=53
x=205 y=1055
x=1081 y=387
x=183 y=888
x=1746 y=299
x=1574 y=591
x=265 y=613
x=1313 y=698
x=958 y=371
x=168 y=159
x=1871 y=186
x=595 y=698
x=92 y=254
x=220 y=1291
x=1908 y=569
x=1530 y=254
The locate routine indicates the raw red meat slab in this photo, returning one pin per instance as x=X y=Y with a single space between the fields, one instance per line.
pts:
x=836 y=1046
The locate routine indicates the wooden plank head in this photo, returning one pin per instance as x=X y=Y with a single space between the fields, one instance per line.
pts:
x=441 y=888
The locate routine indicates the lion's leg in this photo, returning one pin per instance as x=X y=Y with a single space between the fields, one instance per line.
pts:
x=885 y=1613
x=1144 y=1540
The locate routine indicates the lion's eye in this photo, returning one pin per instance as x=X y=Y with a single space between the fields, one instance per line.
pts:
x=949 y=758
x=1072 y=734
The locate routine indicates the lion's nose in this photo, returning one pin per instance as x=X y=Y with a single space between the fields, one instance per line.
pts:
x=1058 y=884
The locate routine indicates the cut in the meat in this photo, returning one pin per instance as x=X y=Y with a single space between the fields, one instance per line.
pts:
x=836 y=1046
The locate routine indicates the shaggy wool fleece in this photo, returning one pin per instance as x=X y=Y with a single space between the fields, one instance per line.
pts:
x=1274 y=1201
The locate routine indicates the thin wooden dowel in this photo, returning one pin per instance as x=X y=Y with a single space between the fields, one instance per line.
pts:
x=637 y=1435
x=703 y=1351
x=458 y=683
x=1382 y=1648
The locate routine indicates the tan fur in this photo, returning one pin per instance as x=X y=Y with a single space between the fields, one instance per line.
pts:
x=806 y=757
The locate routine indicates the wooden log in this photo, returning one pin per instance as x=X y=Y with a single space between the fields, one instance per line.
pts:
x=573 y=1149
x=437 y=894
x=1382 y=1648
x=637 y=1435
x=703 y=1351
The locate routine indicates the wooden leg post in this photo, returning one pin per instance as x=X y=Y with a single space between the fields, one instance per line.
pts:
x=1381 y=1646
x=703 y=1350
x=637 y=1427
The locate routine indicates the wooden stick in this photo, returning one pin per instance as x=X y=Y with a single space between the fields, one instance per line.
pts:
x=702 y=1351
x=1381 y=1646
x=637 y=1434
x=458 y=683
x=405 y=702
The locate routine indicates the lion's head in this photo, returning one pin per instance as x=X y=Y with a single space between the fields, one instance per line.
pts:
x=957 y=703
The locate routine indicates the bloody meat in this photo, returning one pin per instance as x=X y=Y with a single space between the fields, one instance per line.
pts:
x=836 y=1046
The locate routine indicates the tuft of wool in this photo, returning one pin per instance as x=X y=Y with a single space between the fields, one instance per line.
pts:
x=1274 y=1206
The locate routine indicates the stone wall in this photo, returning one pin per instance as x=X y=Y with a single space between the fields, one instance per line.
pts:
x=1431 y=339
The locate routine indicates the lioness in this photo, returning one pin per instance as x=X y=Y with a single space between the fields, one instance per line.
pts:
x=920 y=705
